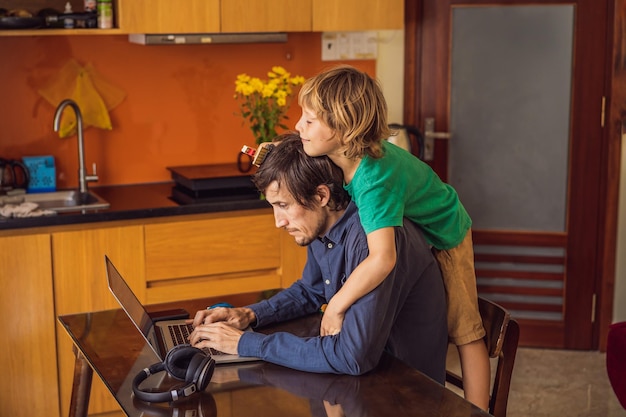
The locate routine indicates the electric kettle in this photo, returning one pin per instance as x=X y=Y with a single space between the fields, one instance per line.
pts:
x=409 y=138
x=13 y=174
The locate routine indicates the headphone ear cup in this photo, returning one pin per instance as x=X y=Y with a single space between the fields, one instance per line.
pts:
x=177 y=360
x=200 y=370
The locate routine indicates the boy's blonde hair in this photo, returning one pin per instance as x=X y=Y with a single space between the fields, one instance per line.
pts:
x=352 y=104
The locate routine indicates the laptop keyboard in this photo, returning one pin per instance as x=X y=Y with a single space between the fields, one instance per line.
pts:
x=180 y=335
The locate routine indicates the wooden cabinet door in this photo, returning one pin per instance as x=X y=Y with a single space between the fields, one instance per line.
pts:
x=29 y=364
x=346 y=15
x=80 y=285
x=266 y=16
x=169 y=16
x=216 y=256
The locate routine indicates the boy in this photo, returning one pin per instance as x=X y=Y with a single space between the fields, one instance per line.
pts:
x=344 y=116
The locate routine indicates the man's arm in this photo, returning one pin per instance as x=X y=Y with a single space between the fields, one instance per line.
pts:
x=221 y=328
x=357 y=349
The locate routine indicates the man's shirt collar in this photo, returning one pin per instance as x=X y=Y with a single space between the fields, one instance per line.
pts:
x=337 y=232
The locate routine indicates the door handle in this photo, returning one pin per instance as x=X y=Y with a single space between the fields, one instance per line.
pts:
x=429 y=138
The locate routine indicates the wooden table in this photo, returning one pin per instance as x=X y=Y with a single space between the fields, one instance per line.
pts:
x=106 y=342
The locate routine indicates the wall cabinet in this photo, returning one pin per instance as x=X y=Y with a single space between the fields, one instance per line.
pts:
x=164 y=260
x=266 y=16
x=357 y=15
x=169 y=16
x=230 y=16
x=311 y=15
x=29 y=380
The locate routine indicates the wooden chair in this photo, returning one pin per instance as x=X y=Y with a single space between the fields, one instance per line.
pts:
x=502 y=338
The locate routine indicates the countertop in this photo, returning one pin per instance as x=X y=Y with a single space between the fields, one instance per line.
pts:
x=134 y=202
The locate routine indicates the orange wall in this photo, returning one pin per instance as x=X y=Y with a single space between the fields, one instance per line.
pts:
x=179 y=107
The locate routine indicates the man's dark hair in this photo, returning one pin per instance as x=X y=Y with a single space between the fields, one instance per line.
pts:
x=291 y=167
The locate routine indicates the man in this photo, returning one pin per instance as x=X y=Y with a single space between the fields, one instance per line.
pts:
x=405 y=315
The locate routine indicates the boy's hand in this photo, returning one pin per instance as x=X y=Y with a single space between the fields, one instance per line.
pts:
x=331 y=320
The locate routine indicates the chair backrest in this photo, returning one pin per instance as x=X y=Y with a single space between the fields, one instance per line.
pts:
x=501 y=339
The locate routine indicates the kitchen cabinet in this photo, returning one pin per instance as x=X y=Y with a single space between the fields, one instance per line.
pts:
x=80 y=285
x=167 y=260
x=214 y=256
x=231 y=16
x=357 y=15
x=60 y=270
x=311 y=15
x=169 y=16
x=29 y=386
x=239 y=16
x=266 y=15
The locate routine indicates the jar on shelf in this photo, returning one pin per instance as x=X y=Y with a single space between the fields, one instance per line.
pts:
x=90 y=6
x=68 y=22
x=105 y=14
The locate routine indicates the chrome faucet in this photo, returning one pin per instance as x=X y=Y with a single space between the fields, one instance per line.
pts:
x=83 y=178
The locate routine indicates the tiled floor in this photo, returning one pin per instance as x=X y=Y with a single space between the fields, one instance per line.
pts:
x=549 y=382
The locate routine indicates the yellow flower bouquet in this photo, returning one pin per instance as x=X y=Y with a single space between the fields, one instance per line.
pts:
x=264 y=103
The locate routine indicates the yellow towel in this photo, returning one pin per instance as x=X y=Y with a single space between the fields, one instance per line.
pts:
x=95 y=97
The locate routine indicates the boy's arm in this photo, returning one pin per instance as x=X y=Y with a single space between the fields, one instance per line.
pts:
x=365 y=277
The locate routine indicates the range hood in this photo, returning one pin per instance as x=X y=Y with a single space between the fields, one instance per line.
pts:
x=206 y=38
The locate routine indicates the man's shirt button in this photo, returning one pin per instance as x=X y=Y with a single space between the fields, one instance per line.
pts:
x=329 y=245
x=327 y=282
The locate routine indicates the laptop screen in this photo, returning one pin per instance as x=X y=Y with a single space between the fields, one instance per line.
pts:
x=130 y=303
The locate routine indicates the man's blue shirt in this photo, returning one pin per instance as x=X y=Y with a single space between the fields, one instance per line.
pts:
x=405 y=315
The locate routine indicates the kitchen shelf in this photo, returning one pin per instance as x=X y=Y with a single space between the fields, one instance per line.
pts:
x=60 y=32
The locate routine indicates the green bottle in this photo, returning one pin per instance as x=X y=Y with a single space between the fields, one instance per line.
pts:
x=105 y=14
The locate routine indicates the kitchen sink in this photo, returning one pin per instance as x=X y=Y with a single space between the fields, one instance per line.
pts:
x=60 y=201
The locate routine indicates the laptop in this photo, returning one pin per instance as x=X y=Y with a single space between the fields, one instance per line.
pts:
x=162 y=336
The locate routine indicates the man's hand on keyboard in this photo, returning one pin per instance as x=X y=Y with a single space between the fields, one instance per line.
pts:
x=239 y=318
x=219 y=335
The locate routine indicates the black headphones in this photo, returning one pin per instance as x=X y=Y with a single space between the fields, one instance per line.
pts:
x=183 y=362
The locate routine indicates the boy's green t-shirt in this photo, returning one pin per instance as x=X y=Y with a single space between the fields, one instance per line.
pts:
x=400 y=185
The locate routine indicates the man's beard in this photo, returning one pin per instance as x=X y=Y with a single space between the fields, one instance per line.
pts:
x=318 y=232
